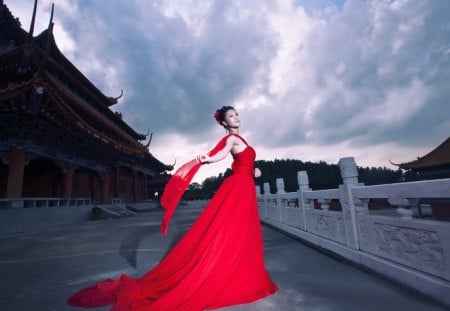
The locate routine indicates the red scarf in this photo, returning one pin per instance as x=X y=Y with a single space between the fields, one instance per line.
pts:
x=179 y=182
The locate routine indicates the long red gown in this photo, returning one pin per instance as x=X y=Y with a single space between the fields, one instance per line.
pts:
x=219 y=262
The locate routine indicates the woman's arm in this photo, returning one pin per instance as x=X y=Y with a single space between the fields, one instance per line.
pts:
x=206 y=158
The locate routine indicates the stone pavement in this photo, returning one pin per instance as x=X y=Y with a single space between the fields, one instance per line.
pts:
x=41 y=269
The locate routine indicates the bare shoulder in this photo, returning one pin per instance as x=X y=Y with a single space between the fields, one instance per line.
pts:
x=235 y=140
x=232 y=139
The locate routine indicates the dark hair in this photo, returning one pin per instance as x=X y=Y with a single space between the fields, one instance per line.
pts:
x=220 y=114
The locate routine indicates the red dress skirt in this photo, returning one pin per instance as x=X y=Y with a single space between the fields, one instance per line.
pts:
x=219 y=262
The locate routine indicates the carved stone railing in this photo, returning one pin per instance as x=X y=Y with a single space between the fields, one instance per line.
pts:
x=403 y=247
x=44 y=202
x=27 y=214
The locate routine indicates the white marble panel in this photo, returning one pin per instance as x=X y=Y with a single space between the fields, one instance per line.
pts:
x=327 y=224
x=420 y=244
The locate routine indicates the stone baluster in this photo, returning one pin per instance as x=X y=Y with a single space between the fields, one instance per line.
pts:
x=324 y=204
x=404 y=206
x=258 y=190
x=361 y=205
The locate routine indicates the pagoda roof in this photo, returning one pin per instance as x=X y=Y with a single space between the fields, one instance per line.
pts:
x=46 y=52
x=436 y=159
x=70 y=100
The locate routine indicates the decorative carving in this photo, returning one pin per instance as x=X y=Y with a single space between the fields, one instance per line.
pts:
x=272 y=202
x=364 y=233
x=341 y=227
x=290 y=217
x=325 y=226
x=416 y=247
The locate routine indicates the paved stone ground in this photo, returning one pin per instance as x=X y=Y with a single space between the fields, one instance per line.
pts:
x=40 y=270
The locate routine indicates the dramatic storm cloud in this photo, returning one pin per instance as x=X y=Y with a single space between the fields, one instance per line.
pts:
x=312 y=80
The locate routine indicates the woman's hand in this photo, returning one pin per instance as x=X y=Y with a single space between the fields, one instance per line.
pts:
x=257 y=172
x=203 y=158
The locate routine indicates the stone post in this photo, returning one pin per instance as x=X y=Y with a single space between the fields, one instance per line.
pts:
x=266 y=188
x=303 y=185
x=261 y=201
x=349 y=171
x=303 y=181
x=279 y=182
x=280 y=185
x=349 y=174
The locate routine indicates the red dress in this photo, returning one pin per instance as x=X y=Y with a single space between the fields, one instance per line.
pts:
x=219 y=262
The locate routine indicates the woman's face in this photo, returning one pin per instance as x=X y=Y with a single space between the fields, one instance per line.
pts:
x=232 y=119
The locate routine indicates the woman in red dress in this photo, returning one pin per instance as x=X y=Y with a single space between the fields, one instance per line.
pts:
x=219 y=262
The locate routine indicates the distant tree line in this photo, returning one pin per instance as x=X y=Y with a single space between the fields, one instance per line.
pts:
x=321 y=175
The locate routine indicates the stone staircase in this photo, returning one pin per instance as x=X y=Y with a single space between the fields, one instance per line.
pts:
x=103 y=211
x=121 y=210
x=143 y=206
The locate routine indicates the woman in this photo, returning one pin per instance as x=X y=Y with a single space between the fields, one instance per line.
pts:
x=219 y=262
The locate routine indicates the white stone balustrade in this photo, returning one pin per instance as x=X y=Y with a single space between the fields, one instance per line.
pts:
x=414 y=252
x=44 y=202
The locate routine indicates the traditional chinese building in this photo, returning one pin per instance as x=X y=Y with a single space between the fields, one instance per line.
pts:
x=58 y=134
x=435 y=164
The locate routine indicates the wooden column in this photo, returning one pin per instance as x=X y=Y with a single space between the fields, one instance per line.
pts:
x=116 y=186
x=68 y=180
x=106 y=181
x=135 y=183
x=15 y=173
x=145 y=187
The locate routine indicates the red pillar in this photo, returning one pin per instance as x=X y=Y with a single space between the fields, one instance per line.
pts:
x=135 y=186
x=145 y=187
x=68 y=178
x=116 y=186
x=106 y=193
x=15 y=173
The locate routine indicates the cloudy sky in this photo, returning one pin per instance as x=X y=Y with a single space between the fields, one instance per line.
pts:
x=314 y=80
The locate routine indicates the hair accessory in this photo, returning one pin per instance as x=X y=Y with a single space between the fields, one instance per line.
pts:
x=217 y=116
